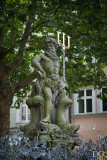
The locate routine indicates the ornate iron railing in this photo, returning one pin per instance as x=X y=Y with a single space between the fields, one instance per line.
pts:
x=91 y=151
x=19 y=147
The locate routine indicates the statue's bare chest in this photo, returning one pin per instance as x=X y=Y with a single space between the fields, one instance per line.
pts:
x=50 y=66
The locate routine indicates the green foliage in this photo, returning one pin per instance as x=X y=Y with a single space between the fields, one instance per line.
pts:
x=84 y=21
x=23 y=93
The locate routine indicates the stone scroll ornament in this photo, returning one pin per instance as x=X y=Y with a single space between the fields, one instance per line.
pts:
x=48 y=101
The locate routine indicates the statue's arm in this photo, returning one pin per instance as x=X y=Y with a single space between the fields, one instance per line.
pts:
x=36 y=63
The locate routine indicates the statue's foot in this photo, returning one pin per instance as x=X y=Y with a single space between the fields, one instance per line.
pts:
x=46 y=120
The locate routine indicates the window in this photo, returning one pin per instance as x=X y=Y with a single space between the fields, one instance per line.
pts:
x=25 y=113
x=104 y=101
x=85 y=102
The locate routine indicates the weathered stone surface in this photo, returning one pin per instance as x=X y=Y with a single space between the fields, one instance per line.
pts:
x=48 y=100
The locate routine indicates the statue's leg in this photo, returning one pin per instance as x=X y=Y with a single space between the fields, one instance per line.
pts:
x=48 y=103
x=64 y=103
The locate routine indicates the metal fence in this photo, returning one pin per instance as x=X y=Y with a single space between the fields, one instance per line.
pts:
x=20 y=147
x=91 y=151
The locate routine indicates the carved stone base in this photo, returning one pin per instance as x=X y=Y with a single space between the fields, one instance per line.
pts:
x=55 y=135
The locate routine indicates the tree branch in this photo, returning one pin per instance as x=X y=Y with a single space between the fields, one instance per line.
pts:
x=19 y=56
x=23 y=83
x=23 y=41
x=34 y=28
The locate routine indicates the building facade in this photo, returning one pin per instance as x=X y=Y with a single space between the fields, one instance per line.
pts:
x=19 y=116
x=90 y=113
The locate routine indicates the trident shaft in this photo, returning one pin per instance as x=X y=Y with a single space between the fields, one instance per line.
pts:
x=64 y=47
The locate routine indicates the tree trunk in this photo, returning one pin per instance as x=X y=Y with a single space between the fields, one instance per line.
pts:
x=5 y=104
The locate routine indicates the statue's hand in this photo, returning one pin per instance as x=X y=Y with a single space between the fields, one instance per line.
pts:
x=62 y=84
x=42 y=74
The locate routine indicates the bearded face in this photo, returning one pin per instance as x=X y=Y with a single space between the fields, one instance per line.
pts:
x=51 y=48
x=51 y=51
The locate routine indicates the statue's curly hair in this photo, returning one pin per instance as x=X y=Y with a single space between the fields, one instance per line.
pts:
x=51 y=40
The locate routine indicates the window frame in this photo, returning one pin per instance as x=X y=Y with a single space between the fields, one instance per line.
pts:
x=76 y=103
x=27 y=120
x=23 y=114
x=100 y=102
x=85 y=97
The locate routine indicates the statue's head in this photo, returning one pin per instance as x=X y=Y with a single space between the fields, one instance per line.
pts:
x=51 y=45
x=50 y=41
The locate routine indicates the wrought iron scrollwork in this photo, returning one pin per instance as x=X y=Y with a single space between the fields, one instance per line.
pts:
x=17 y=146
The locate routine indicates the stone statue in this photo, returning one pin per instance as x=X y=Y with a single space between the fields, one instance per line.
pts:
x=47 y=66
x=48 y=100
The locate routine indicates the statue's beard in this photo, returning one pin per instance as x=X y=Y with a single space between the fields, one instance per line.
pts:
x=52 y=55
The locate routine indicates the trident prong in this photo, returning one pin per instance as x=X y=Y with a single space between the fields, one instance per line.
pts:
x=63 y=49
x=59 y=42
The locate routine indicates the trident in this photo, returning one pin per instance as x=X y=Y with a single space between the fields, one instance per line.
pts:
x=63 y=49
